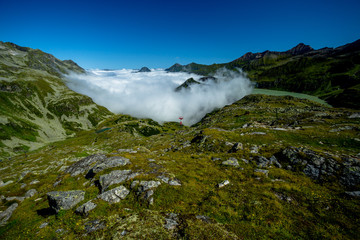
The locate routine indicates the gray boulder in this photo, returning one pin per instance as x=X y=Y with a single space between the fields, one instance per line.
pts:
x=84 y=164
x=64 y=200
x=231 y=162
x=171 y=221
x=115 y=195
x=114 y=177
x=6 y=215
x=86 y=208
x=353 y=194
x=107 y=163
x=236 y=147
x=94 y=225
x=146 y=190
x=263 y=162
x=223 y=183
x=146 y=185
x=30 y=193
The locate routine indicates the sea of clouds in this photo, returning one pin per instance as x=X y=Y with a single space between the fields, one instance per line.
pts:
x=152 y=95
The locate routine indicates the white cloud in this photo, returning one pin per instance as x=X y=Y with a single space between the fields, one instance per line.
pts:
x=152 y=95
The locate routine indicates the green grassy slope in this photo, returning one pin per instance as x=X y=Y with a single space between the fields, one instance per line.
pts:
x=36 y=107
x=280 y=204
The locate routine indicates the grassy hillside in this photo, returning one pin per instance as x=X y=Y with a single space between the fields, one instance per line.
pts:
x=265 y=167
x=36 y=107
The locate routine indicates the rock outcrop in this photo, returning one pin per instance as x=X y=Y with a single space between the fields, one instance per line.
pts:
x=64 y=200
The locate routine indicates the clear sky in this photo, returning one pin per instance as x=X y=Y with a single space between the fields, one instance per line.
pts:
x=157 y=34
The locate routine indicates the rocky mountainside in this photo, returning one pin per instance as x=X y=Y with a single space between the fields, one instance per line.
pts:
x=36 y=107
x=332 y=74
x=264 y=167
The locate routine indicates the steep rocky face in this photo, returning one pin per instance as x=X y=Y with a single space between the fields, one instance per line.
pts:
x=36 y=106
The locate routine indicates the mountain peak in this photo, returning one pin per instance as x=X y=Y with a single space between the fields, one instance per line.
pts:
x=301 y=48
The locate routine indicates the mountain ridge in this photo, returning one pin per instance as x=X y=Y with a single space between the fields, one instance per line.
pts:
x=332 y=74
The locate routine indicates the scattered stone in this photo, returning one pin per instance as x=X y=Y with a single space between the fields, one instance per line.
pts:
x=146 y=185
x=355 y=115
x=6 y=215
x=43 y=225
x=123 y=233
x=86 y=208
x=30 y=193
x=263 y=162
x=257 y=133
x=2 y=184
x=57 y=183
x=115 y=195
x=84 y=164
x=134 y=184
x=111 y=162
x=114 y=177
x=60 y=230
x=94 y=225
x=171 y=221
x=23 y=174
x=163 y=178
x=64 y=200
x=126 y=151
x=231 y=162
x=223 y=183
x=151 y=160
x=254 y=149
x=23 y=185
x=215 y=159
x=174 y=182
x=353 y=194
x=266 y=172
x=236 y=147
x=244 y=160
x=20 y=199
x=34 y=182
x=280 y=129
x=283 y=197
x=204 y=218
x=38 y=199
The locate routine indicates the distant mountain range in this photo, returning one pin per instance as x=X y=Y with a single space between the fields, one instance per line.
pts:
x=332 y=74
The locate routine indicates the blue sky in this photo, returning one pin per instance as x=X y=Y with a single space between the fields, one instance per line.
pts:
x=157 y=34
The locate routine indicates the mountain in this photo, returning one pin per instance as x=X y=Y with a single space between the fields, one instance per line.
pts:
x=332 y=74
x=144 y=69
x=186 y=84
x=36 y=106
x=264 y=167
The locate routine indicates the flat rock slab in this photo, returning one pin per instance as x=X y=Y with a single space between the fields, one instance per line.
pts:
x=115 y=177
x=84 y=164
x=86 y=208
x=64 y=200
x=111 y=162
x=115 y=195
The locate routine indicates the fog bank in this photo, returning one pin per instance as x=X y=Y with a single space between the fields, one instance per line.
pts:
x=152 y=95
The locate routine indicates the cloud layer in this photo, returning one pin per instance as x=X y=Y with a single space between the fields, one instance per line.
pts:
x=152 y=95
